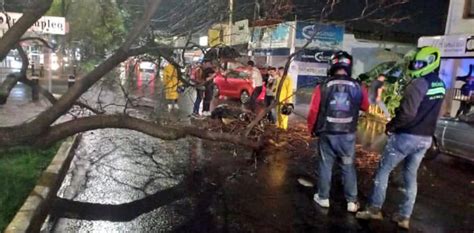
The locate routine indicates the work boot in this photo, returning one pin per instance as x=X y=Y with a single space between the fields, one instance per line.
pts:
x=321 y=202
x=370 y=213
x=402 y=222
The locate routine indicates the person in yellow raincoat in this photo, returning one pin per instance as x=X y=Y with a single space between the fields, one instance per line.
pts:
x=284 y=98
x=171 y=83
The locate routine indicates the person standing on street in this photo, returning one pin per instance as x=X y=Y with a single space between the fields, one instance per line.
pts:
x=271 y=85
x=199 y=80
x=209 y=91
x=171 y=83
x=333 y=117
x=258 y=84
x=410 y=135
x=285 y=98
x=375 y=94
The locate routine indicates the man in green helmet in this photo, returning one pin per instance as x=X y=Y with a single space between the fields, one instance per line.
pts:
x=410 y=135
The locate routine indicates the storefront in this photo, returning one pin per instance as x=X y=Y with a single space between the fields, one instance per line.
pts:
x=457 y=63
x=272 y=45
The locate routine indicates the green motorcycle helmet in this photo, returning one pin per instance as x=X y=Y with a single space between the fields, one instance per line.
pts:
x=426 y=60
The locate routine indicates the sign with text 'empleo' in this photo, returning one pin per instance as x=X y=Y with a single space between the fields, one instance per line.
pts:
x=45 y=25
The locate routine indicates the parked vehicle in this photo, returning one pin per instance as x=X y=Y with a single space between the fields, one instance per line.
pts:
x=454 y=137
x=146 y=71
x=237 y=84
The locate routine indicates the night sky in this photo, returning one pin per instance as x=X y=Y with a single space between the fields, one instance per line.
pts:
x=426 y=18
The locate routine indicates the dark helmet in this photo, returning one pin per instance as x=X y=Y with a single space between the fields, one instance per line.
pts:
x=340 y=60
x=287 y=109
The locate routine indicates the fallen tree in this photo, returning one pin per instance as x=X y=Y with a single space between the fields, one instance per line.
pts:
x=42 y=130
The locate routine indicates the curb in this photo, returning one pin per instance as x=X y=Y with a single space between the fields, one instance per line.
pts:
x=32 y=213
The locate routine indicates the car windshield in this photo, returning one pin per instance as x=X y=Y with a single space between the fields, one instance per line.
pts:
x=237 y=74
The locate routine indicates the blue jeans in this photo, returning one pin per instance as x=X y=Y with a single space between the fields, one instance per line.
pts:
x=197 y=102
x=339 y=147
x=400 y=147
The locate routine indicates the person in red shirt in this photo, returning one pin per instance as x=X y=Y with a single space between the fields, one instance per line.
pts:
x=333 y=117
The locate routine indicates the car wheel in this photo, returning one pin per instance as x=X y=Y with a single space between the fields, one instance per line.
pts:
x=244 y=97
x=433 y=151
x=216 y=92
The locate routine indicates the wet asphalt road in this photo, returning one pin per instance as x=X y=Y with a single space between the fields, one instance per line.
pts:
x=124 y=181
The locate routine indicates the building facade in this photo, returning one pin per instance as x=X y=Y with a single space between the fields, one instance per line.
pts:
x=460 y=17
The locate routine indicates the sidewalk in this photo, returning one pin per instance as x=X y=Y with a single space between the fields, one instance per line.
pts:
x=19 y=107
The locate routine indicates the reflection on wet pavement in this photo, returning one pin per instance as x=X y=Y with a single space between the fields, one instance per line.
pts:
x=371 y=135
x=113 y=167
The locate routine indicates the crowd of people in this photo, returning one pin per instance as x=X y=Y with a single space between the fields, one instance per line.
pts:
x=333 y=118
x=203 y=75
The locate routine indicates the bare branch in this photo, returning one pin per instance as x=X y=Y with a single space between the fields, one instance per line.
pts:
x=43 y=41
x=63 y=130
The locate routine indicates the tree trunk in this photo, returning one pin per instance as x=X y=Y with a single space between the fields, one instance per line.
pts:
x=66 y=129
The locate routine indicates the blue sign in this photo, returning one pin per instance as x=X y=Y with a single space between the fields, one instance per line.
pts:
x=327 y=36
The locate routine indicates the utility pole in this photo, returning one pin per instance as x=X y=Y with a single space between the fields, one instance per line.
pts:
x=47 y=63
x=231 y=12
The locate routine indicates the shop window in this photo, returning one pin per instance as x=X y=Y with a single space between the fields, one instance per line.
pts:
x=469 y=9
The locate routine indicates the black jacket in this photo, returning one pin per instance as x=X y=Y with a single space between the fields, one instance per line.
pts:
x=341 y=98
x=420 y=107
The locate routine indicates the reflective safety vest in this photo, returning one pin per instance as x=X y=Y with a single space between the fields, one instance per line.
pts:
x=341 y=98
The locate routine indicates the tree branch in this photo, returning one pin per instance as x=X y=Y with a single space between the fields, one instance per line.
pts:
x=69 y=128
x=7 y=86
x=326 y=11
x=13 y=78
x=34 y=12
x=43 y=41
x=47 y=117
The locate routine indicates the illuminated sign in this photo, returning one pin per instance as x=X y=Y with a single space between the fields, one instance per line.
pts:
x=45 y=25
